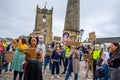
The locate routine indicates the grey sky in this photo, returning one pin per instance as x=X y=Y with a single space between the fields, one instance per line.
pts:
x=101 y=16
x=17 y=17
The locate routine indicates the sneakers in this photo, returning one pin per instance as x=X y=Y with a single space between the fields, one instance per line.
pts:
x=63 y=73
x=52 y=77
x=58 y=76
x=8 y=72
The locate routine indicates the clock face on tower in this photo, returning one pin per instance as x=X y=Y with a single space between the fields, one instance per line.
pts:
x=43 y=20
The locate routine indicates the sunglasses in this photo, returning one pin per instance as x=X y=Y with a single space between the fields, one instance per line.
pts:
x=33 y=36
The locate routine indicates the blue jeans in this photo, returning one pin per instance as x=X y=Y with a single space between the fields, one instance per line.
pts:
x=57 y=66
x=99 y=79
x=6 y=67
x=69 y=73
x=65 y=64
x=46 y=61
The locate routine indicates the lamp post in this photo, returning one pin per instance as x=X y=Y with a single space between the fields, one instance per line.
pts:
x=81 y=34
x=44 y=31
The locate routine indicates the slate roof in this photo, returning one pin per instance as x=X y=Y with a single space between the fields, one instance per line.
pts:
x=107 y=40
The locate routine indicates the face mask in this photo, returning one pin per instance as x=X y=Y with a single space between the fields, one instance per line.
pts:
x=41 y=40
x=96 y=48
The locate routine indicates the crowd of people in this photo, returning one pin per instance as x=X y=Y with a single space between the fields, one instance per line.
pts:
x=29 y=58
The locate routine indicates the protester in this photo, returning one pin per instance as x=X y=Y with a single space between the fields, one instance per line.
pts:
x=73 y=64
x=55 y=61
x=114 y=61
x=18 y=58
x=96 y=54
x=47 y=57
x=41 y=46
x=67 y=54
x=100 y=71
x=4 y=43
x=8 y=55
x=33 y=71
x=107 y=53
x=62 y=56
x=1 y=56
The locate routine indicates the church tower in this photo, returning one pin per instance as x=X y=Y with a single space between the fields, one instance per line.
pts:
x=72 y=20
x=43 y=23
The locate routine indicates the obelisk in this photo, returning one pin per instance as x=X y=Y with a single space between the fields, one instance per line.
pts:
x=72 y=20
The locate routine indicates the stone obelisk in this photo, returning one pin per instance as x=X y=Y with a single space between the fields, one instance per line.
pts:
x=72 y=20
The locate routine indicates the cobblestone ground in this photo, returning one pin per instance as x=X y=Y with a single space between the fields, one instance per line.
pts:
x=47 y=75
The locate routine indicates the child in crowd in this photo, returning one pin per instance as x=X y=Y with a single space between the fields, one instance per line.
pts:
x=99 y=73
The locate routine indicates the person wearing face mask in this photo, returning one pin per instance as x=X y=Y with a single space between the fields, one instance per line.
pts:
x=41 y=46
x=41 y=40
x=96 y=54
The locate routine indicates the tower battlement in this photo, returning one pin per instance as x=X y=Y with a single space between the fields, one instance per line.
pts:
x=44 y=10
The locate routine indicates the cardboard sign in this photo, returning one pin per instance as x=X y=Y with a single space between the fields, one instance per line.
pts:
x=31 y=52
x=70 y=43
x=92 y=36
x=89 y=57
x=56 y=38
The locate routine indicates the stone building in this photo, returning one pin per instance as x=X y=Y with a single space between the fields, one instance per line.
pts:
x=43 y=23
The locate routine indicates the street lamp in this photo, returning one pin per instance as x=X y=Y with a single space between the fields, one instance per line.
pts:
x=44 y=31
x=81 y=34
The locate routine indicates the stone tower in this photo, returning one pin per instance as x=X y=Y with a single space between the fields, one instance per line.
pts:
x=43 y=23
x=72 y=20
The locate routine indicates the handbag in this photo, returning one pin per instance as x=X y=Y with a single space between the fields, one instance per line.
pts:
x=24 y=65
x=9 y=56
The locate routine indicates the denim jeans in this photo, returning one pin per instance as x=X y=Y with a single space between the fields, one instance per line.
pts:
x=6 y=67
x=46 y=61
x=99 y=79
x=62 y=61
x=57 y=66
x=65 y=64
x=69 y=73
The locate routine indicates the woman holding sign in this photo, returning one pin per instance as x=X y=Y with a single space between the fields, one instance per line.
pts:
x=73 y=64
x=32 y=69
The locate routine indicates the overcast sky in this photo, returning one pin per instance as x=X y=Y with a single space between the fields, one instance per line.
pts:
x=17 y=17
